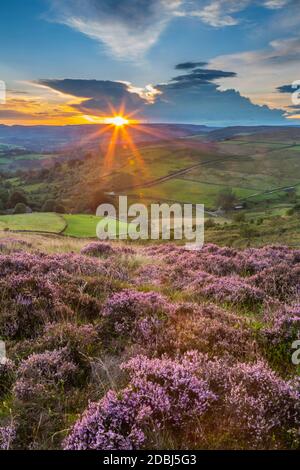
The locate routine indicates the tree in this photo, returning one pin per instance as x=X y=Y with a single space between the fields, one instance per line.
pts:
x=99 y=197
x=226 y=199
x=49 y=206
x=60 y=209
x=4 y=196
x=17 y=197
x=20 y=208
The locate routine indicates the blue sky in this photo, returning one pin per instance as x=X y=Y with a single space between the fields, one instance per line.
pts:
x=43 y=42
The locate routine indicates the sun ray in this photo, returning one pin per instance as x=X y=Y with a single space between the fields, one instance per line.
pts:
x=110 y=154
x=135 y=151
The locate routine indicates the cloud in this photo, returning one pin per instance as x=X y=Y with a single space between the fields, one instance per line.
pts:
x=11 y=114
x=190 y=65
x=193 y=97
x=99 y=97
x=127 y=27
x=275 y=4
x=261 y=72
x=201 y=76
x=286 y=89
x=223 y=13
x=218 y=13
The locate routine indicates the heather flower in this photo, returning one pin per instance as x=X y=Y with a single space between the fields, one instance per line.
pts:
x=102 y=249
x=255 y=403
x=283 y=324
x=162 y=393
x=207 y=329
x=81 y=341
x=7 y=437
x=98 y=249
x=28 y=302
x=280 y=282
x=41 y=374
x=137 y=314
x=232 y=290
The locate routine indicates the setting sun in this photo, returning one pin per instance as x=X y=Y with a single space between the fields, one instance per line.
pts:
x=118 y=121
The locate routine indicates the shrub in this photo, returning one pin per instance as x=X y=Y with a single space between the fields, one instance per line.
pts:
x=98 y=249
x=20 y=208
x=232 y=289
x=39 y=376
x=161 y=392
x=137 y=315
x=7 y=437
x=49 y=206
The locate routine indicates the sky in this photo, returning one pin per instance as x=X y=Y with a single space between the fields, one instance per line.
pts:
x=213 y=62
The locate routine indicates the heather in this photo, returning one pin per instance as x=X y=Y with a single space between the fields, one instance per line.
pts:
x=117 y=347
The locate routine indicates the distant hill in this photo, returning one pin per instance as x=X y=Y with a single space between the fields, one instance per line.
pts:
x=57 y=138
x=276 y=133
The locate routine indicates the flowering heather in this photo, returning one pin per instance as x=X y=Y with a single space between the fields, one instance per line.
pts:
x=98 y=249
x=254 y=403
x=164 y=369
x=7 y=437
x=281 y=281
x=138 y=314
x=161 y=392
x=283 y=324
x=232 y=289
x=28 y=302
x=41 y=374
x=81 y=342
x=13 y=245
x=209 y=330
x=101 y=249
x=43 y=264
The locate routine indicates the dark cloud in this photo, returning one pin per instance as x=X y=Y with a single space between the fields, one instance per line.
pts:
x=101 y=95
x=190 y=65
x=287 y=89
x=188 y=98
x=200 y=77
x=196 y=98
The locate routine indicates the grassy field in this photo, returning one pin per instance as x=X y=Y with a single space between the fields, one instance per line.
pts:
x=36 y=222
x=78 y=226
x=85 y=226
x=184 y=190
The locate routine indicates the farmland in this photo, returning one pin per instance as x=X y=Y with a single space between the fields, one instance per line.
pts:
x=260 y=171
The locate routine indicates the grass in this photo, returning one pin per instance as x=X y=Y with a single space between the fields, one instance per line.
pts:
x=36 y=222
x=183 y=190
x=85 y=226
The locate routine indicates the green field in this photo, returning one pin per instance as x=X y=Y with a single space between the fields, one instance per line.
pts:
x=183 y=190
x=36 y=222
x=84 y=226
x=80 y=226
